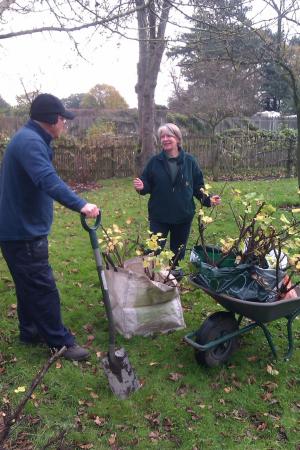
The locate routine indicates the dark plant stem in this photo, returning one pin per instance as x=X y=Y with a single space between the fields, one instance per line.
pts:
x=13 y=417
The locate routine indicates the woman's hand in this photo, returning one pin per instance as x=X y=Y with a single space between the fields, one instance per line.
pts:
x=138 y=184
x=215 y=200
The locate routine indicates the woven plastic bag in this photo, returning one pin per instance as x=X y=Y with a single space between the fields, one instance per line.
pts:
x=141 y=306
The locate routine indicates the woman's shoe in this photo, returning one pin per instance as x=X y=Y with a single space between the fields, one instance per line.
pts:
x=177 y=273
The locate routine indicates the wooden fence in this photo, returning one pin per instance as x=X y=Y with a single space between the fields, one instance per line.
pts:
x=244 y=156
x=235 y=157
x=96 y=159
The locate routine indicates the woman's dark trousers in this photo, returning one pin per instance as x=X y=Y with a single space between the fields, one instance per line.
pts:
x=179 y=234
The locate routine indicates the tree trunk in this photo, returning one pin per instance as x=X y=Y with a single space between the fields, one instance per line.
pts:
x=296 y=94
x=298 y=147
x=215 y=166
x=151 y=32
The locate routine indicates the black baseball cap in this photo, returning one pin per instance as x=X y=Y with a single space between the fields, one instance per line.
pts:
x=47 y=108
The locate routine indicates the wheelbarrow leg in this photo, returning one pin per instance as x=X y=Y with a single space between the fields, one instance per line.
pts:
x=269 y=338
x=289 y=324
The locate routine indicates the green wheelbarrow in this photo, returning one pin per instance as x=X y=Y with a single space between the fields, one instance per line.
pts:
x=217 y=338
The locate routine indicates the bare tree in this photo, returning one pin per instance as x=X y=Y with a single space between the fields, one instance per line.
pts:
x=272 y=25
x=152 y=22
x=71 y=17
x=218 y=93
x=152 y=17
x=65 y=17
x=285 y=19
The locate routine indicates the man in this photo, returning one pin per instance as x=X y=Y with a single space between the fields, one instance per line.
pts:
x=28 y=186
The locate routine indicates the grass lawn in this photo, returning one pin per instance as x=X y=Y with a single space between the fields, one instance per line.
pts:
x=251 y=403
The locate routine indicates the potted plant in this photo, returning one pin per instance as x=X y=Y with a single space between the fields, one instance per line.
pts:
x=263 y=240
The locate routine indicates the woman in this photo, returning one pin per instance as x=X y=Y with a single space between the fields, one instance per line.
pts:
x=173 y=178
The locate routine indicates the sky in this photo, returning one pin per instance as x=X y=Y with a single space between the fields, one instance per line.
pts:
x=51 y=64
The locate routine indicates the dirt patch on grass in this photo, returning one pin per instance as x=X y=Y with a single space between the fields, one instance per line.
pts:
x=83 y=187
x=286 y=207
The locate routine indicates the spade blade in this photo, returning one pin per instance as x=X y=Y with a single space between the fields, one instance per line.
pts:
x=121 y=376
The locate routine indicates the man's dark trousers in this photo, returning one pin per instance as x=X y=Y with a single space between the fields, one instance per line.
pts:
x=38 y=298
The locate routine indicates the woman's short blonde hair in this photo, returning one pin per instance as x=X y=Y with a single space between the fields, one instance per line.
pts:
x=172 y=130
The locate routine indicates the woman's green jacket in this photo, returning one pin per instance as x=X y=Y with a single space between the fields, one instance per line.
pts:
x=173 y=202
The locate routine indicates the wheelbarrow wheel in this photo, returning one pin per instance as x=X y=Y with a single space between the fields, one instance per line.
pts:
x=214 y=327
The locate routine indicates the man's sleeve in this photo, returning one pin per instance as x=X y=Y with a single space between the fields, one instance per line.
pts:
x=37 y=164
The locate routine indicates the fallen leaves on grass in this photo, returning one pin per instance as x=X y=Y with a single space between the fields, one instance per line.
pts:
x=155 y=436
x=153 y=419
x=258 y=422
x=239 y=414
x=77 y=424
x=175 y=376
x=292 y=383
x=20 y=389
x=5 y=400
x=167 y=424
x=8 y=283
x=85 y=403
x=161 y=428
x=262 y=426
x=2 y=421
x=100 y=421
x=90 y=340
x=58 y=364
x=251 y=379
x=282 y=434
x=267 y=396
x=133 y=442
x=270 y=369
x=12 y=311
x=112 y=439
x=88 y=328
x=194 y=415
x=270 y=386
x=182 y=390
x=21 y=442
x=94 y=395
x=228 y=389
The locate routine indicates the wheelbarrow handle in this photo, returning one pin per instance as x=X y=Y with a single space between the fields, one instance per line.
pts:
x=86 y=226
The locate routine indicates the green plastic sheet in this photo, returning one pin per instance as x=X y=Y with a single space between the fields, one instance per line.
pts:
x=244 y=281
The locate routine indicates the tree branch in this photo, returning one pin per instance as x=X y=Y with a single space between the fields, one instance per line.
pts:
x=12 y=418
x=63 y=29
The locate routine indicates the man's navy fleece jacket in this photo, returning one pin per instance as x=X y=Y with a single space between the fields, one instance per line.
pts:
x=28 y=185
